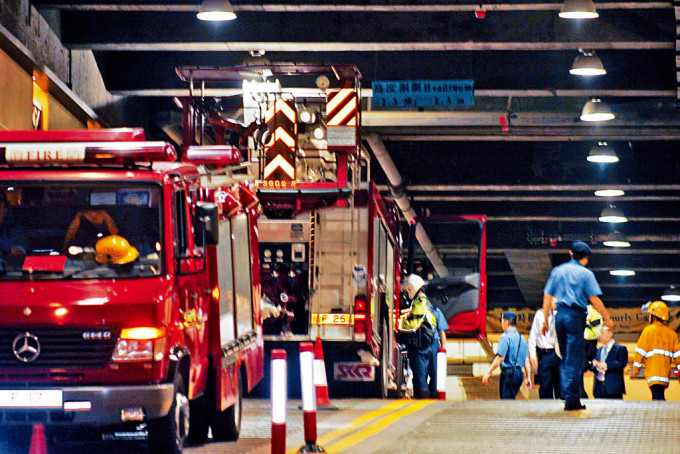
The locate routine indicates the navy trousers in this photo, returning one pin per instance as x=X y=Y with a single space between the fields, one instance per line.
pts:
x=432 y=369
x=420 y=362
x=509 y=382
x=548 y=374
x=569 y=326
x=658 y=392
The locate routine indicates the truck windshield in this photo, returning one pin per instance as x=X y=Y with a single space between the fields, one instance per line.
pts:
x=67 y=230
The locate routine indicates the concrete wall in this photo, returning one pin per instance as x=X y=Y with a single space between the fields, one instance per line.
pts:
x=16 y=95
x=77 y=69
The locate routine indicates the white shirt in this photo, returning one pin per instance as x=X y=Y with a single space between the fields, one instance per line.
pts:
x=536 y=338
x=602 y=357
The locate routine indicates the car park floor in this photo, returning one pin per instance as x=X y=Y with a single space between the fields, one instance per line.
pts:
x=472 y=419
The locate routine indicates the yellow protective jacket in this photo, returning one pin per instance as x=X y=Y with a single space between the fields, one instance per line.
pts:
x=593 y=324
x=657 y=349
x=420 y=311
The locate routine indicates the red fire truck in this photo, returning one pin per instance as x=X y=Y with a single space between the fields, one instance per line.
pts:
x=130 y=287
x=329 y=243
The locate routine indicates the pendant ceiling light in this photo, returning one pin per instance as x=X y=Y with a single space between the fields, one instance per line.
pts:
x=609 y=193
x=596 y=110
x=613 y=214
x=671 y=294
x=216 y=10
x=617 y=240
x=602 y=153
x=587 y=64
x=578 y=9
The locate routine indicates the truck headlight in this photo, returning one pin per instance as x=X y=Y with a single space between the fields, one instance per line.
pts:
x=140 y=344
x=133 y=350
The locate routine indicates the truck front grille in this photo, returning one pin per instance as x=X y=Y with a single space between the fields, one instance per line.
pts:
x=62 y=348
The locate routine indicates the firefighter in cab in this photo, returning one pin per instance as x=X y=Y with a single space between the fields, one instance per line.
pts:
x=417 y=328
x=657 y=349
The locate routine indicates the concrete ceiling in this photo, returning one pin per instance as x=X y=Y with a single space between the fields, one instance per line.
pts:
x=518 y=155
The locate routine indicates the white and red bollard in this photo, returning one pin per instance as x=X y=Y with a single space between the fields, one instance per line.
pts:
x=279 y=395
x=308 y=397
x=441 y=373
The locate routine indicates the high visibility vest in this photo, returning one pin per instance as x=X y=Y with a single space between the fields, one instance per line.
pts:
x=657 y=349
x=593 y=324
x=420 y=311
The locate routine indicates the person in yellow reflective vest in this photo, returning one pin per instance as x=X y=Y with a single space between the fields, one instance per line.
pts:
x=590 y=336
x=657 y=349
x=417 y=327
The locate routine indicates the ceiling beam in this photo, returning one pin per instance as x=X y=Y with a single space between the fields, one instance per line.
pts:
x=521 y=199
x=531 y=188
x=368 y=93
x=287 y=8
x=327 y=46
x=574 y=219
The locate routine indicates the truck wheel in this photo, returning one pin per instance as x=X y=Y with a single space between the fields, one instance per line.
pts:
x=167 y=434
x=200 y=410
x=226 y=424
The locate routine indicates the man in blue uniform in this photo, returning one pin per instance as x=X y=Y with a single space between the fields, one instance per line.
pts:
x=573 y=286
x=512 y=355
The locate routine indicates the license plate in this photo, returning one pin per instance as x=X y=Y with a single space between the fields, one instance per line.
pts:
x=31 y=398
x=331 y=319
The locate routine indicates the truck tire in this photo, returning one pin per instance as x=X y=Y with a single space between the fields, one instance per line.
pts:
x=226 y=424
x=200 y=409
x=167 y=434
x=383 y=380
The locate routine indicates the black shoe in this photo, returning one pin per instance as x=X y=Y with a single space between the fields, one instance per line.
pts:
x=578 y=406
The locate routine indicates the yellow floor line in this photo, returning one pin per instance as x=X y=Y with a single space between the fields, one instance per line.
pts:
x=362 y=420
x=375 y=427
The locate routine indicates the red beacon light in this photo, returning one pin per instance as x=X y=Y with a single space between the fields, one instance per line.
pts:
x=86 y=153
x=216 y=155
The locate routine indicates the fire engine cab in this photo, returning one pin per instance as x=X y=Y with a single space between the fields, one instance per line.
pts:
x=329 y=242
x=130 y=287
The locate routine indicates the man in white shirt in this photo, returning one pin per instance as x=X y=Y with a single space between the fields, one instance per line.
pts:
x=544 y=356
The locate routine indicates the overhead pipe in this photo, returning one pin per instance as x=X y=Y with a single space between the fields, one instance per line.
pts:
x=404 y=204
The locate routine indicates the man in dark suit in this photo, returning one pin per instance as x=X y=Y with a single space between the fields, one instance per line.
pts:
x=608 y=366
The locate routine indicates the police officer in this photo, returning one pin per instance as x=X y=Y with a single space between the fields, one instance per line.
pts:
x=512 y=355
x=573 y=285
x=418 y=326
x=657 y=349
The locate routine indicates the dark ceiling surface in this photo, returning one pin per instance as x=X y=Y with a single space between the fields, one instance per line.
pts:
x=518 y=155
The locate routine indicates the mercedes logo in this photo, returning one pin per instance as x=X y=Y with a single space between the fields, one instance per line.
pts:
x=26 y=347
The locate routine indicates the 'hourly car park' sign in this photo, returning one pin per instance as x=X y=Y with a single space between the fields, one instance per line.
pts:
x=422 y=93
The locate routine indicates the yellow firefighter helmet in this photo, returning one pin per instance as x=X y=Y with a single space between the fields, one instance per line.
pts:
x=659 y=309
x=115 y=249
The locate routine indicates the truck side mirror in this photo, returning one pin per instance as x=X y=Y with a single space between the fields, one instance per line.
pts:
x=209 y=217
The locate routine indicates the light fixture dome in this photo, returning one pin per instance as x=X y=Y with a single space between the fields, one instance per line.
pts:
x=617 y=240
x=596 y=110
x=612 y=214
x=578 y=9
x=609 y=193
x=587 y=64
x=216 y=10
x=671 y=294
x=602 y=153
